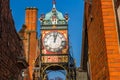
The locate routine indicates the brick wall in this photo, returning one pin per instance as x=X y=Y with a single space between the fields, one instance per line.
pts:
x=96 y=42
x=104 y=55
x=111 y=39
x=11 y=44
x=29 y=35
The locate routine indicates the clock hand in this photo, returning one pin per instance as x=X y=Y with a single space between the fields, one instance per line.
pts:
x=55 y=36
x=54 y=39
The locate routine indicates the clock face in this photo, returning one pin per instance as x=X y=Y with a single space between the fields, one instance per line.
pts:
x=54 y=41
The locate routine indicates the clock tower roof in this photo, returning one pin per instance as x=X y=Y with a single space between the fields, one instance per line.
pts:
x=54 y=12
x=54 y=16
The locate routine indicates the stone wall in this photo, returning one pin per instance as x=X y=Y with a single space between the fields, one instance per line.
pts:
x=81 y=75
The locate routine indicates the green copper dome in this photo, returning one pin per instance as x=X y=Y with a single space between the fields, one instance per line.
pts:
x=55 y=13
x=54 y=17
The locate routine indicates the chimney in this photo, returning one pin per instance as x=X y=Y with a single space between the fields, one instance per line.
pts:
x=31 y=18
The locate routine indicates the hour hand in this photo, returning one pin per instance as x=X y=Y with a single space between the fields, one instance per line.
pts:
x=55 y=36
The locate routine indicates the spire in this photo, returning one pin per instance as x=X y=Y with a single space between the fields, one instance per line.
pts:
x=54 y=2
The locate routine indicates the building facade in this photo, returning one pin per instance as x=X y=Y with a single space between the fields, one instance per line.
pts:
x=12 y=59
x=101 y=35
x=28 y=34
x=54 y=42
x=50 y=52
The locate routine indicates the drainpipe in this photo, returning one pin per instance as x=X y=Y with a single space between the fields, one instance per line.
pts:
x=28 y=45
x=28 y=50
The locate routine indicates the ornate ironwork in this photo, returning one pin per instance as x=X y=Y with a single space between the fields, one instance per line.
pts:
x=66 y=61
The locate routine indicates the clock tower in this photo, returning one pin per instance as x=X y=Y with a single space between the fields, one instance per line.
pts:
x=54 y=34
x=54 y=44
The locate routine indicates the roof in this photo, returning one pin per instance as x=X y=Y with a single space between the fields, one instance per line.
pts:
x=54 y=17
x=55 y=13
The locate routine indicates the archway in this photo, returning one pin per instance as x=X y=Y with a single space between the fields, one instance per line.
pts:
x=53 y=70
x=56 y=75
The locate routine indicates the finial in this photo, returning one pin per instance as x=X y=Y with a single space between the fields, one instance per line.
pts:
x=54 y=2
x=66 y=16
x=42 y=17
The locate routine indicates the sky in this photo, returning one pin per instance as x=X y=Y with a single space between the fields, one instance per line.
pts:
x=75 y=9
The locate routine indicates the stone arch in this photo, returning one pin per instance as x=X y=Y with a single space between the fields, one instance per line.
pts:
x=55 y=67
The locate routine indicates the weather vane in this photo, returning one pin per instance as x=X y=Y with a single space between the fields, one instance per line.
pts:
x=54 y=2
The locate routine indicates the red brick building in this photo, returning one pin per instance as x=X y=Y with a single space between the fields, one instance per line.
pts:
x=12 y=59
x=28 y=34
x=52 y=23
x=101 y=39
